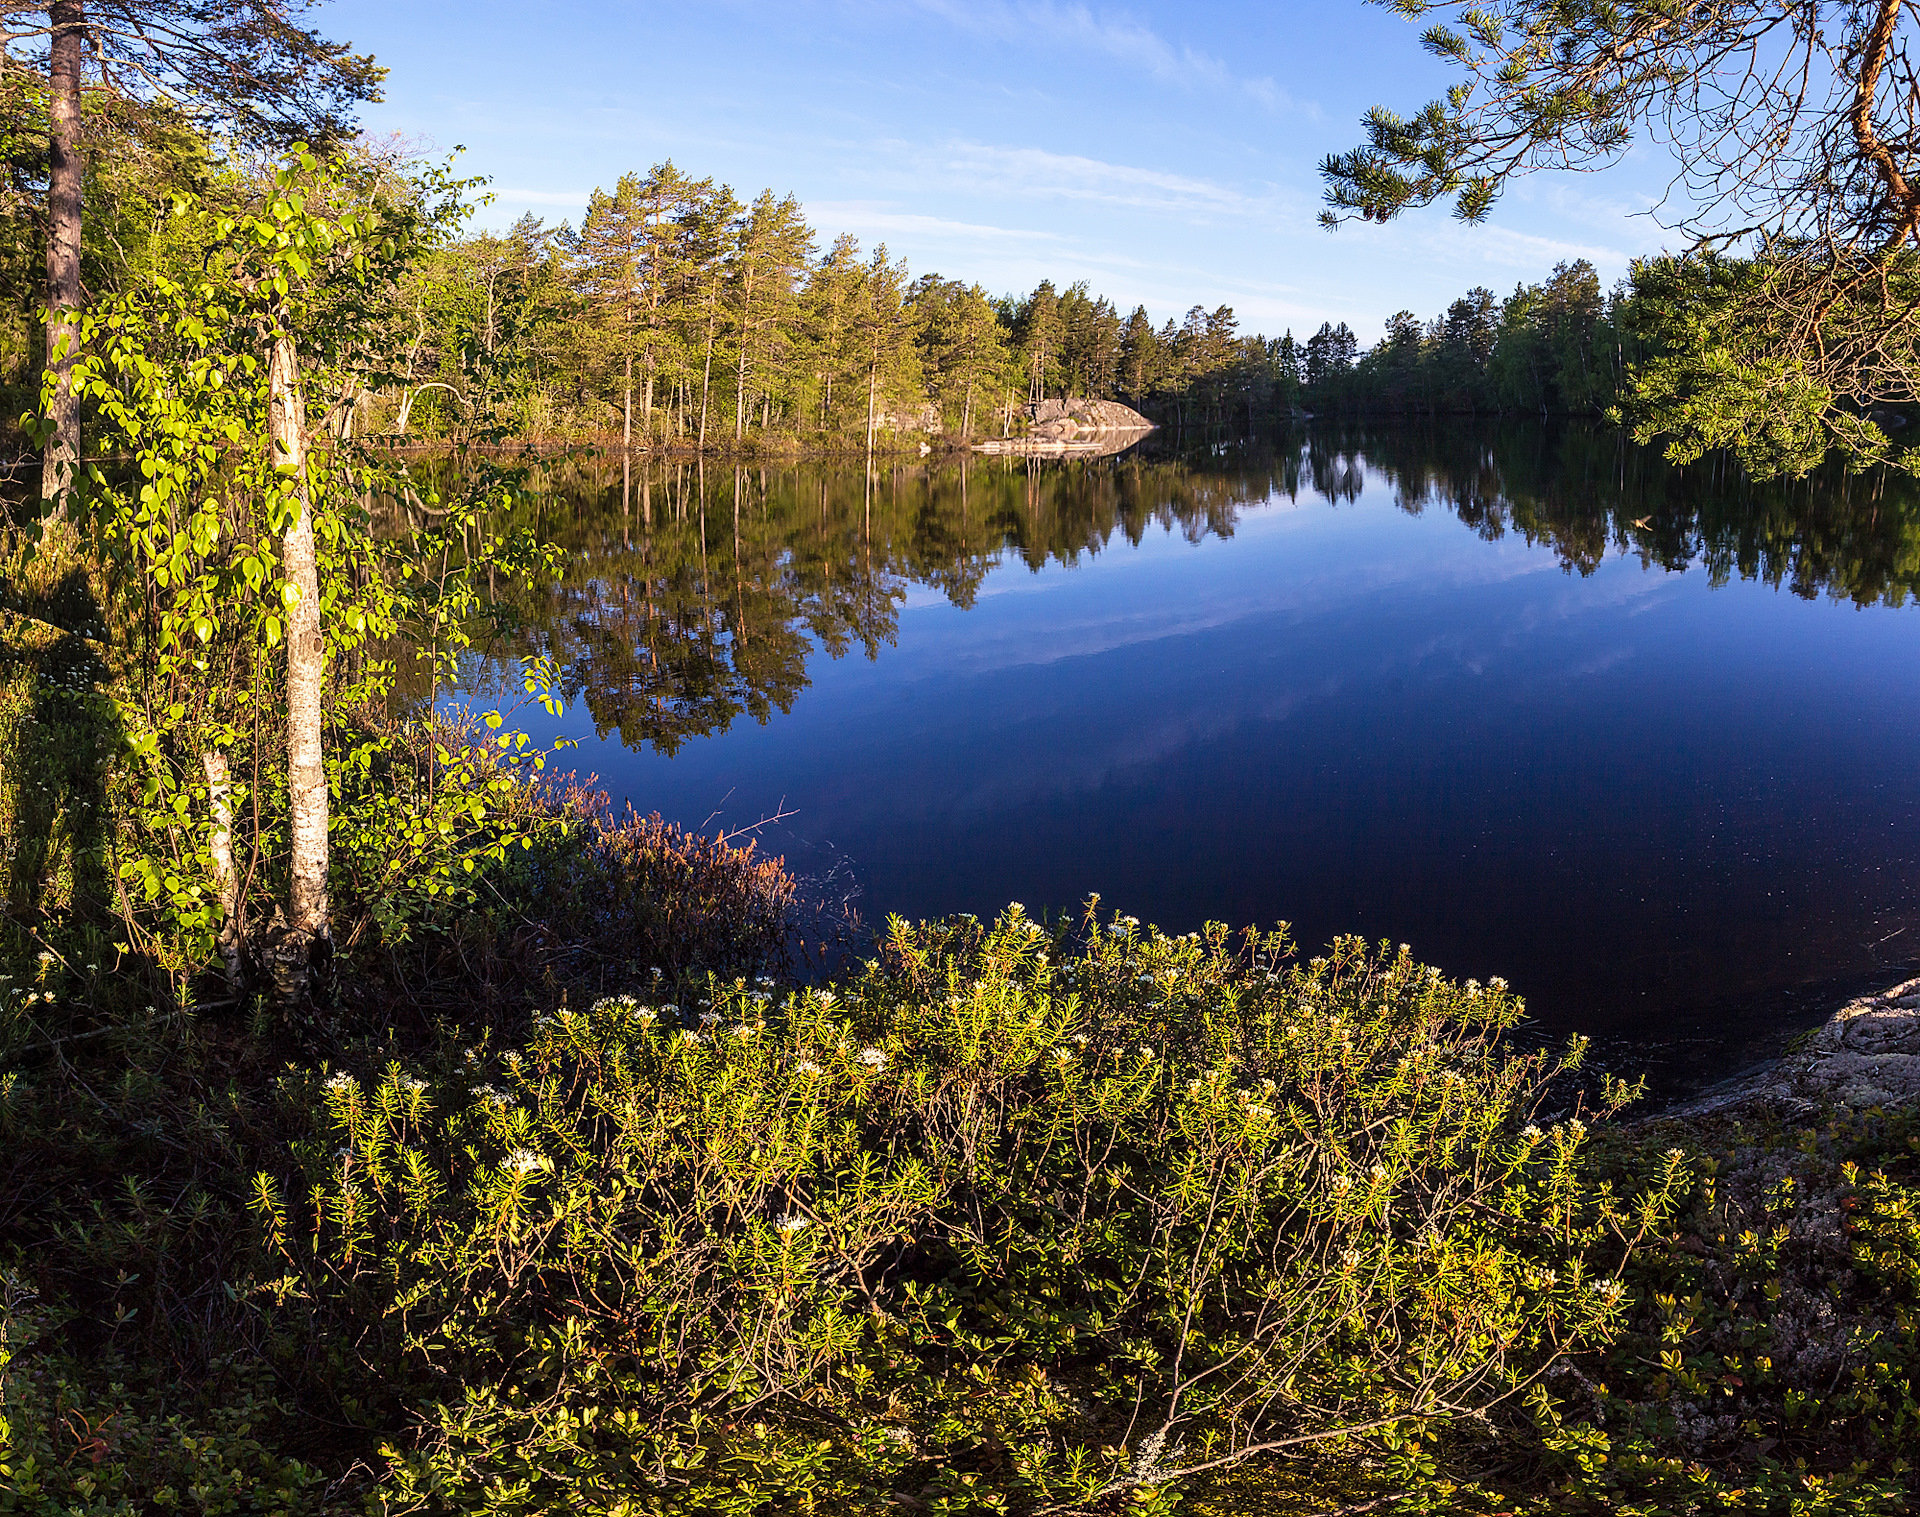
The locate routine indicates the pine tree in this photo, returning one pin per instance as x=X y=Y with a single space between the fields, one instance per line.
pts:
x=775 y=246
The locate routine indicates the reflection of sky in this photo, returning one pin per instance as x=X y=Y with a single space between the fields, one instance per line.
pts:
x=1633 y=795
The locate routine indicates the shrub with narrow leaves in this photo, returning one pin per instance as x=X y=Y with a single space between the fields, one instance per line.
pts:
x=1019 y=1220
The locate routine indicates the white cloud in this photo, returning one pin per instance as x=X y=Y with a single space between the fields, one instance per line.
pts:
x=1114 y=34
x=1037 y=172
x=876 y=216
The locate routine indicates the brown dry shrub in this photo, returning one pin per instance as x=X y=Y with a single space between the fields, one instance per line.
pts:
x=604 y=903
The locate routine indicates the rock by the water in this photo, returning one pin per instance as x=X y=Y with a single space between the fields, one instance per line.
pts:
x=1074 y=426
x=1866 y=1054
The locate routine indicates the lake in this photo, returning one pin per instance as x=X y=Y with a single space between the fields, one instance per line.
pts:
x=1640 y=740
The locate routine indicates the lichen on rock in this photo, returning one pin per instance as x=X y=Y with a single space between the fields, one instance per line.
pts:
x=1866 y=1054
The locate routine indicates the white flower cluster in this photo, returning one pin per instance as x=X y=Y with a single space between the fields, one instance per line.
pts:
x=791 y=1222
x=341 y=1083
x=524 y=1161
x=411 y=1084
x=806 y=1067
x=497 y=1099
x=873 y=1058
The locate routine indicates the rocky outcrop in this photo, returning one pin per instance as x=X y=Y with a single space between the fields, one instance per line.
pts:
x=1063 y=420
x=908 y=419
x=1076 y=427
x=1866 y=1054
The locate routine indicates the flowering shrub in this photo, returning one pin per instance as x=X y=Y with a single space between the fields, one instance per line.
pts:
x=1012 y=1222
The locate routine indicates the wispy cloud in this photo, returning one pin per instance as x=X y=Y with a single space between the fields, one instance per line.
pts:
x=1036 y=172
x=876 y=216
x=1520 y=250
x=1447 y=242
x=1113 y=34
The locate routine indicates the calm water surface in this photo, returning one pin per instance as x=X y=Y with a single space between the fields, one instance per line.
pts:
x=1642 y=741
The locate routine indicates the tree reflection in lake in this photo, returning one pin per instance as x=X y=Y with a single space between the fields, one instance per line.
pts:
x=1586 y=492
x=694 y=596
x=1443 y=687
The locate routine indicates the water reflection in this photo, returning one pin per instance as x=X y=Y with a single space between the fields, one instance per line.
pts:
x=1471 y=690
x=693 y=598
x=1585 y=492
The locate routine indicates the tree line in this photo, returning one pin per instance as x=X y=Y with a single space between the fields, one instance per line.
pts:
x=677 y=313
x=1559 y=347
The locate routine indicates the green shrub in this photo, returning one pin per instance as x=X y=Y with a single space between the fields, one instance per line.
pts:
x=1772 y=1353
x=1010 y=1223
x=77 y=1442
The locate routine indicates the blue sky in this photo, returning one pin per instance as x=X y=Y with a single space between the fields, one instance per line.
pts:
x=1165 y=153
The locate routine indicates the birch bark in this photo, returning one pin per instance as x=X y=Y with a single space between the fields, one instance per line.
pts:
x=307 y=935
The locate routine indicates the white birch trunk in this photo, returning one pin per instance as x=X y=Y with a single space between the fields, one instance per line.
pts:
x=308 y=929
x=65 y=293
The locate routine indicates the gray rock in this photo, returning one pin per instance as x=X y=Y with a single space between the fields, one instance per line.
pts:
x=1866 y=1054
x=1073 y=428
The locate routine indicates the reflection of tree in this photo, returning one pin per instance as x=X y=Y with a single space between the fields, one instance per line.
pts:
x=691 y=600
x=1583 y=491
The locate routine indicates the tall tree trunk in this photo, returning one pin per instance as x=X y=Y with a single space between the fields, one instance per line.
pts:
x=873 y=380
x=740 y=368
x=626 y=424
x=306 y=938
x=65 y=174
x=706 y=375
